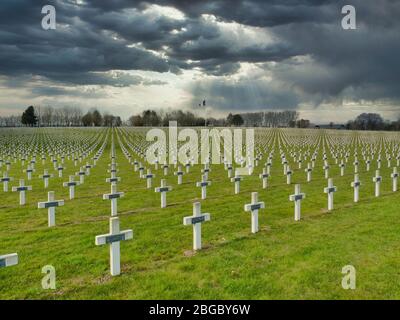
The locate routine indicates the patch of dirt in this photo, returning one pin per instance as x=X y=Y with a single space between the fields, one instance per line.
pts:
x=189 y=253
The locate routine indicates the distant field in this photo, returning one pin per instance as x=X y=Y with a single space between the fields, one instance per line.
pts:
x=284 y=260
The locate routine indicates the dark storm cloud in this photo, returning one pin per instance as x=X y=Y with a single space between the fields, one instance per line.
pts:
x=310 y=56
x=58 y=91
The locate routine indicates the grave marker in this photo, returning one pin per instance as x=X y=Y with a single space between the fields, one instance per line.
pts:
x=163 y=191
x=51 y=205
x=71 y=185
x=203 y=184
x=297 y=197
x=113 y=196
x=253 y=207
x=22 y=188
x=196 y=220
x=330 y=190
x=113 y=239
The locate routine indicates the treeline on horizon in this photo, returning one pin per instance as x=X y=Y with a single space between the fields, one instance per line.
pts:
x=69 y=116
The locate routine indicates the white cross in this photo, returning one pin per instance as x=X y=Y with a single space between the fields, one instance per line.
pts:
x=163 y=191
x=71 y=185
x=81 y=175
x=230 y=169
x=377 y=179
x=6 y=179
x=264 y=176
x=356 y=185
x=394 y=177
x=203 y=184
x=330 y=190
x=368 y=162
x=149 y=176
x=288 y=175
x=88 y=167
x=284 y=162
x=206 y=170
x=297 y=197
x=196 y=221
x=8 y=260
x=29 y=171
x=253 y=207
x=22 y=190
x=342 y=166
x=113 y=239
x=113 y=196
x=165 y=168
x=355 y=163
x=51 y=205
x=308 y=170
x=269 y=165
x=141 y=171
x=46 y=176
x=379 y=162
x=179 y=173
x=236 y=179
x=326 y=170
x=299 y=163
x=60 y=171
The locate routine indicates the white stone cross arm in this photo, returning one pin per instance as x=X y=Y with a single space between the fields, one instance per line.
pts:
x=110 y=238
x=8 y=260
x=110 y=196
x=254 y=206
x=113 y=179
x=196 y=219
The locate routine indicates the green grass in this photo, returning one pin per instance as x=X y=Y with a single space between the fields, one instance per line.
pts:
x=285 y=260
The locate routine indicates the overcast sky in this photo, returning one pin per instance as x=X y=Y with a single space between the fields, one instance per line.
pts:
x=124 y=56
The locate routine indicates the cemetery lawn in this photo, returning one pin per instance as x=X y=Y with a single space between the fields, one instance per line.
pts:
x=285 y=260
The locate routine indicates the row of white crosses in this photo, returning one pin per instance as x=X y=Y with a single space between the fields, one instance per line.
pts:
x=115 y=235
x=51 y=204
x=22 y=188
x=198 y=218
x=297 y=197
